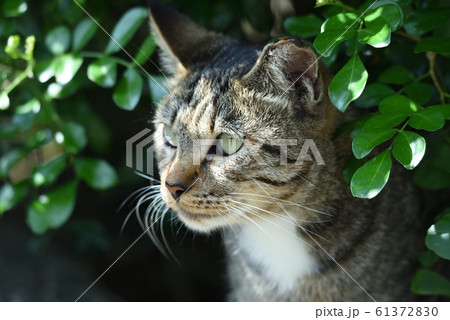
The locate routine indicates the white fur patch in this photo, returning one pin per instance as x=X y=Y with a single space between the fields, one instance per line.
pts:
x=278 y=250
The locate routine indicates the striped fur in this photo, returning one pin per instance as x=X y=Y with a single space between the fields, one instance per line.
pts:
x=327 y=245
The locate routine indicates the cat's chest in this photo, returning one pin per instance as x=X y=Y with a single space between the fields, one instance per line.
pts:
x=276 y=249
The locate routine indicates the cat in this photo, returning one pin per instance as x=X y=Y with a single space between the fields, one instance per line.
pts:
x=292 y=229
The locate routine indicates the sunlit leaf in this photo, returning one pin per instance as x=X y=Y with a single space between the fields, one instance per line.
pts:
x=103 y=72
x=377 y=33
x=348 y=84
x=11 y=194
x=4 y=101
x=66 y=67
x=370 y=179
x=58 y=40
x=438 y=237
x=341 y=21
x=409 y=149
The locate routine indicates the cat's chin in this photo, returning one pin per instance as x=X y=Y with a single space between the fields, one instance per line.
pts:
x=201 y=222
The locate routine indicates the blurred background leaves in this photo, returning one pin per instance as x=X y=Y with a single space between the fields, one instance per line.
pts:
x=67 y=90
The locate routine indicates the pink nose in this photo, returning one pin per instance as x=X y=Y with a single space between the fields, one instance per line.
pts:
x=176 y=190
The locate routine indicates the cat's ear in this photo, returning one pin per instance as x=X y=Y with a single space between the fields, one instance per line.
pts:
x=290 y=65
x=180 y=39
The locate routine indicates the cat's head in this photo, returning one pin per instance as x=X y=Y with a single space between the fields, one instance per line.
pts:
x=232 y=127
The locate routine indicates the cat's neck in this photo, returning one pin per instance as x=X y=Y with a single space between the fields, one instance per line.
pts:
x=276 y=249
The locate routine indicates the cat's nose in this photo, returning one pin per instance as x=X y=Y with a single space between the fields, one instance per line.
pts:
x=176 y=190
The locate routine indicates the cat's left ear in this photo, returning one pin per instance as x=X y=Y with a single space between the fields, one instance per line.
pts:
x=290 y=65
x=181 y=40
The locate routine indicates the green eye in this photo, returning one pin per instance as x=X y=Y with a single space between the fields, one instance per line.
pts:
x=229 y=144
x=170 y=137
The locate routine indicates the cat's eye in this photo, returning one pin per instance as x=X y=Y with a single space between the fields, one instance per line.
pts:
x=170 y=137
x=229 y=144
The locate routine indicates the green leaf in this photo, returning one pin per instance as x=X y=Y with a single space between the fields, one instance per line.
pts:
x=418 y=91
x=128 y=90
x=370 y=179
x=58 y=40
x=157 y=88
x=59 y=91
x=126 y=28
x=303 y=26
x=442 y=108
x=4 y=101
x=72 y=137
x=145 y=51
x=430 y=178
x=66 y=67
x=389 y=10
x=438 y=237
x=427 y=119
x=396 y=75
x=14 y=8
x=32 y=106
x=341 y=21
x=11 y=194
x=409 y=149
x=428 y=258
x=384 y=121
x=365 y=141
x=430 y=282
x=8 y=160
x=103 y=72
x=377 y=33
x=348 y=84
x=423 y=20
x=84 y=31
x=328 y=40
x=52 y=210
x=12 y=46
x=373 y=94
x=434 y=44
x=45 y=69
x=98 y=173
x=47 y=174
x=350 y=168
x=398 y=104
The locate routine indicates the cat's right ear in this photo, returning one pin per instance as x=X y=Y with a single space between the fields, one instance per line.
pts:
x=179 y=38
x=290 y=66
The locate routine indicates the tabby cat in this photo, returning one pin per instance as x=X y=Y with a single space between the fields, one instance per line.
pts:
x=293 y=231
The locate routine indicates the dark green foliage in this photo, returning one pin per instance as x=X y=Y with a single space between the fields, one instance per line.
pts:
x=390 y=58
x=408 y=99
